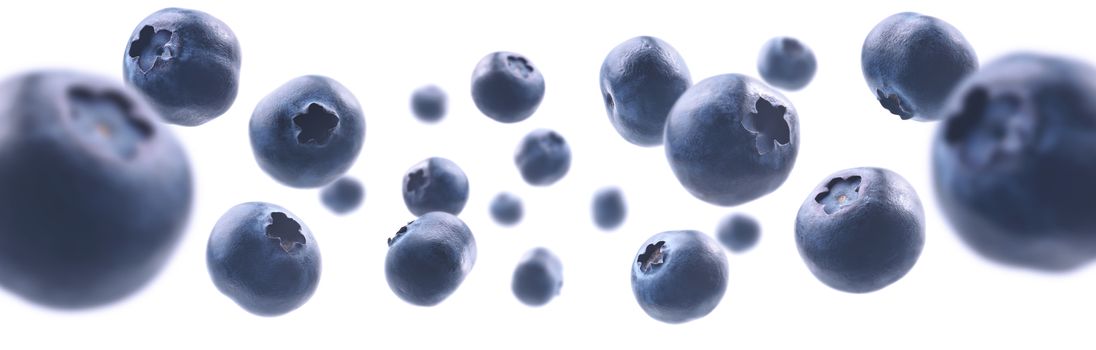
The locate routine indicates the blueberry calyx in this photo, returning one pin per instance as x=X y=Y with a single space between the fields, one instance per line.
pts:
x=989 y=128
x=893 y=103
x=652 y=256
x=519 y=65
x=399 y=233
x=317 y=124
x=150 y=47
x=768 y=124
x=108 y=117
x=417 y=180
x=287 y=231
x=839 y=193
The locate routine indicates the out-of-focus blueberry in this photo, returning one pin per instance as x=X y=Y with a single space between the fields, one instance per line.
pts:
x=739 y=232
x=679 y=276
x=506 y=209
x=786 y=63
x=543 y=157
x=428 y=103
x=506 y=87
x=538 y=277
x=640 y=80
x=429 y=258
x=343 y=195
x=609 y=209
x=435 y=184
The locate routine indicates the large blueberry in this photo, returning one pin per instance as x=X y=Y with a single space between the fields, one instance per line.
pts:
x=343 y=196
x=786 y=63
x=609 y=209
x=186 y=62
x=640 y=80
x=308 y=132
x=1014 y=163
x=912 y=61
x=429 y=258
x=264 y=258
x=861 y=229
x=428 y=103
x=507 y=209
x=738 y=232
x=538 y=277
x=679 y=276
x=94 y=189
x=506 y=87
x=435 y=184
x=731 y=139
x=543 y=157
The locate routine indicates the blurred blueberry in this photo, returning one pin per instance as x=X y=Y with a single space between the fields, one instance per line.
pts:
x=429 y=103
x=506 y=87
x=435 y=184
x=609 y=209
x=506 y=209
x=739 y=232
x=543 y=157
x=786 y=63
x=343 y=196
x=538 y=277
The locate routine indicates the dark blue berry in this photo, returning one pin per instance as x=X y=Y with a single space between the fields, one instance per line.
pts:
x=679 y=276
x=640 y=80
x=506 y=87
x=786 y=63
x=608 y=208
x=428 y=103
x=435 y=184
x=506 y=209
x=429 y=258
x=343 y=196
x=543 y=157
x=739 y=232
x=538 y=277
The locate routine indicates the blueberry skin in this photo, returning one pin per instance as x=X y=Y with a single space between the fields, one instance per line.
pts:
x=679 y=276
x=861 y=229
x=609 y=209
x=428 y=103
x=308 y=132
x=738 y=232
x=786 y=63
x=264 y=258
x=731 y=139
x=538 y=277
x=343 y=196
x=435 y=184
x=912 y=61
x=186 y=62
x=507 y=209
x=1013 y=166
x=96 y=190
x=640 y=80
x=429 y=258
x=543 y=157
x=507 y=87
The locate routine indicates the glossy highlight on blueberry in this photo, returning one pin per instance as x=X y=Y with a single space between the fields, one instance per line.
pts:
x=429 y=258
x=679 y=276
x=640 y=80
x=786 y=63
x=507 y=87
x=308 y=132
x=739 y=232
x=543 y=157
x=731 y=139
x=435 y=184
x=507 y=209
x=1012 y=161
x=428 y=103
x=609 y=209
x=96 y=191
x=264 y=258
x=343 y=196
x=912 y=62
x=861 y=229
x=538 y=277
x=186 y=62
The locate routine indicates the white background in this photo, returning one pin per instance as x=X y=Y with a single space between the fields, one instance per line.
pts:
x=951 y=298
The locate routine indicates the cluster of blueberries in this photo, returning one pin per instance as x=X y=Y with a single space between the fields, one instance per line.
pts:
x=96 y=191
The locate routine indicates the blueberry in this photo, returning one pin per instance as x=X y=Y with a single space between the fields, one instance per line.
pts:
x=1013 y=161
x=731 y=139
x=609 y=209
x=506 y=209
x=429 y=258
x=538 y=277
x=861 y=229
x=640 y=80
x=912 y=61
x=343 y=196
x=435 y=184
x=739 y=232
x=506 y=87
x=543 y=157
x=264 y=258
x=679 y=276
x=96 y=190
x=786 y=63
x=308 y=132
x=428 y=103
x=186 y=62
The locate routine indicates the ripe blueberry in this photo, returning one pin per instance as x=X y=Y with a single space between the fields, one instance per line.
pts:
x=506 y=209
x=543 y=157
x=861 y=229
x=679 y=276
x=429 y=258
x=435 y=184
x=1013 y=161
x=786 y=63
x=640 y=80
x=506 y=87
x=912 y=61
x=308 y=132
x=95 y=189
x=731 y=139
x=538 y=277
x=264 y=258
x=186 y=62
x=428 y=103
x=608 y=208
x=343 y=196
x=738 y=232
